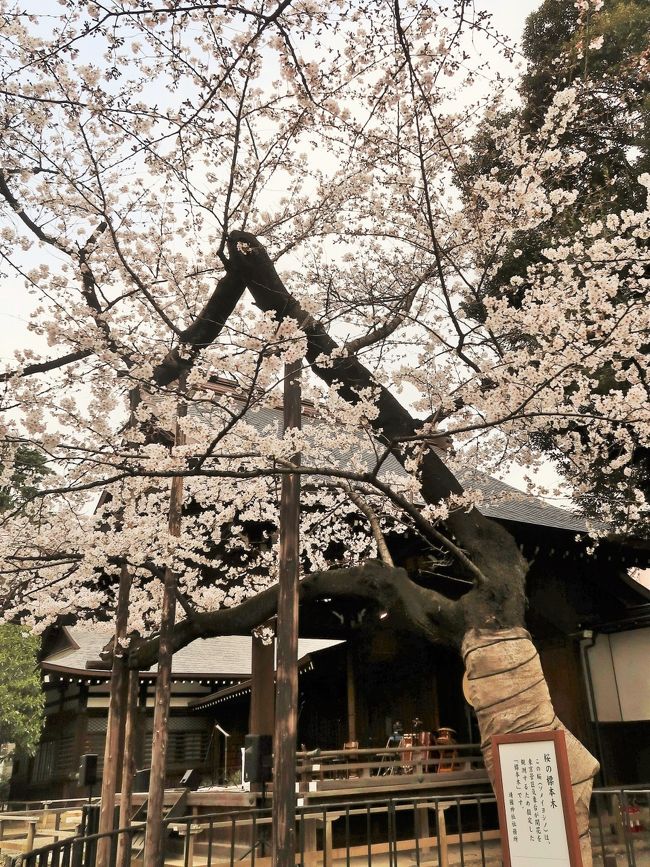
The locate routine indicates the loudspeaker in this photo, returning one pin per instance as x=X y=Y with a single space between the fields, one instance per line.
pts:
x=258 y=758
x=191 y=779
x=88 y=770
x=141 y=780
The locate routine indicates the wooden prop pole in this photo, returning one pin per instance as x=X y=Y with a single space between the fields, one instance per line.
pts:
x=261 y=718
x=352 y=694
x=154 y=837
x=128 y=768
x=286 y=705
x=115 y=726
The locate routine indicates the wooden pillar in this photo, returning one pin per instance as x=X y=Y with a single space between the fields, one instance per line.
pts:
x=115 y=725
x=155 y=805
x=286 y=705
x=141 y=728
x=128 y=767
x=154 y=837
x=261 y=720
x=352 y=695
x=81 y=733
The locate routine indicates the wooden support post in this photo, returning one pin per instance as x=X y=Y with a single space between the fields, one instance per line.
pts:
x=441 y=833
x=128 y=768
x=262 y=713
x=154 y=834
x=286 y=705
x=154 y=838
x=328 y=848
x=422 y=831
x=352 y=697
x=31 y=834
x=310 y=824
x=115 y=726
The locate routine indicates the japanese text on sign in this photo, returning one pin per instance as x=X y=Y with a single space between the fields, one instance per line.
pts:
x=533 y=804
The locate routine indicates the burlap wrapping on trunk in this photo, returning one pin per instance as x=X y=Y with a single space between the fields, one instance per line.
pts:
x=506 y=686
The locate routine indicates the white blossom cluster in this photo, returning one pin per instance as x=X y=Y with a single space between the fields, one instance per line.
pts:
x=135 y=140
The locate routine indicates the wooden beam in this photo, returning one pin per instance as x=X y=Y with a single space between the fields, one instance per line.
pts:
x=286 y=704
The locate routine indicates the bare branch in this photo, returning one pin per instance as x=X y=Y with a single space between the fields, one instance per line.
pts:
x=373 y=520
x=381 y=332
x=45 y=366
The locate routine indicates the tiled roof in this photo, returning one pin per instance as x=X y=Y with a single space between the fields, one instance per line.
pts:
x=305 y=663
x=227 y=656
x=506 y=503
x=500 y=500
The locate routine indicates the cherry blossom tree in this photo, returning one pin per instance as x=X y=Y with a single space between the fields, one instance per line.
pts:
x=196 y=194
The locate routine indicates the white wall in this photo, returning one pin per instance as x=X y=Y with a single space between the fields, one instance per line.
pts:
x=620 y=672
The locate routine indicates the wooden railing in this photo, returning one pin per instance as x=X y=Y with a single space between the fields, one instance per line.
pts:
x=24 y=827
x=326 y=835
x=366 y=762
x=438 y=829
x=46 y=804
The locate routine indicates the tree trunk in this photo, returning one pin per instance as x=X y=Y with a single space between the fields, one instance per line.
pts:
x=508 y=691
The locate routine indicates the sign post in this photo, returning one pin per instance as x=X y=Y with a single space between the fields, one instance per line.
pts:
x=535 y=800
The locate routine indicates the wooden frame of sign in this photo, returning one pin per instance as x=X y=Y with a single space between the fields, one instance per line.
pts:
x=534 y=785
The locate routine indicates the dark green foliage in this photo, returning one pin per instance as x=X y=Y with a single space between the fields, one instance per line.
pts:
x=30 y=465
x=21 y=696
x=612 y=128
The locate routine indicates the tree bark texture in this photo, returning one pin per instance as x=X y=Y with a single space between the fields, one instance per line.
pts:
x=507 y=688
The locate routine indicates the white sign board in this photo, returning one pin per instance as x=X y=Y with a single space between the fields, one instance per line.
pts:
x=537 y=824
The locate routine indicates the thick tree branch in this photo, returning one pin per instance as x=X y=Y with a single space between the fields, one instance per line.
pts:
x=490 y=547
x=420 y=609
x=205 y=329
x=492 y=555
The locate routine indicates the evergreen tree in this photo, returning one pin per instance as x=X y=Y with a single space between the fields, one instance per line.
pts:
x=604 y=51
x=600 y=48
x=21 y=694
